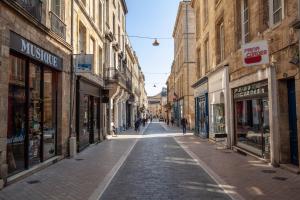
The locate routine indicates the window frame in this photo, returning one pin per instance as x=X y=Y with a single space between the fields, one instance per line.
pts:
x=272 y=12
x=245 y=36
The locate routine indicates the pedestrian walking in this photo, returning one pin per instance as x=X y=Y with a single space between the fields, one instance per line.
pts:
x=114 y=130
x=137 y=125
x=172 y=121
x=183 y=124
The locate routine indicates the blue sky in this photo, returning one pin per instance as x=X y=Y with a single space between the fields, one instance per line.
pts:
x=153 y=18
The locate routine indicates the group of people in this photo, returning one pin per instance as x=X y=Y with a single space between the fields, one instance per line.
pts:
x=138 y=122
x=183 y=123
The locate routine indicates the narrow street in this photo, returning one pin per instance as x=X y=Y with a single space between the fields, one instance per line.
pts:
x=158 y=168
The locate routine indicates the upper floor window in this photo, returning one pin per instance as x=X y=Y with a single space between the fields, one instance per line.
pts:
x=119 y=12
x=276 y=11
x=107 y=11
x=57 y=17
x=58 y=7
x=221 y=42
x=92 y=9
x=245 y=22
x=82 y=38
x=100 y=15
x=206 y=56
x=198 y=23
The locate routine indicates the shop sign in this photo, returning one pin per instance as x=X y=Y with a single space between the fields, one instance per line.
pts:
x=256 y=53
x=83 y=62
x=251 y=90
x=24 y=46
x=201 y=90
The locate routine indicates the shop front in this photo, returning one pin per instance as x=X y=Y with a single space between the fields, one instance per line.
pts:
x=251 y=115
x=218 y=120
x=88 y=113
x=201 y=108
x=32 y=104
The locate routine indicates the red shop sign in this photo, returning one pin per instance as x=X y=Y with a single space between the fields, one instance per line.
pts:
x=256 y=53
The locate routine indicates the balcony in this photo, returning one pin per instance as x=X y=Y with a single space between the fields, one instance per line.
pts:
x=33 y=7
x=113 y=75
x=57 y=25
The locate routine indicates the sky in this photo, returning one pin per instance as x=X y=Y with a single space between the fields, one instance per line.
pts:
x=153 y=18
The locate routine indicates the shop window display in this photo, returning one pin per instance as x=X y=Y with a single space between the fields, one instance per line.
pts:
x=31 y=114
x=217 y=118
x=252 y=125
x=16 y=128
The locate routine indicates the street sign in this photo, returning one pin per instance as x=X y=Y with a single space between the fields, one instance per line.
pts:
x=256 y=53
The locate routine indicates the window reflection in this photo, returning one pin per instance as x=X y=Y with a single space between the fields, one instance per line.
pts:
x=49 y=126
x=16 y=116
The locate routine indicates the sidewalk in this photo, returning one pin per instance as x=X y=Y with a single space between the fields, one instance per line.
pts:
x=239 y=174
x=81 y=178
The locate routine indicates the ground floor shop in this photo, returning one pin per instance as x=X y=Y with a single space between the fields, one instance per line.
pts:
x=218 y=105
x=251 y=115
x=90 y=113
x=201 y=108
x=33 y=113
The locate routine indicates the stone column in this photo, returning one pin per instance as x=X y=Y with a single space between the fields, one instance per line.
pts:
x=273 y=115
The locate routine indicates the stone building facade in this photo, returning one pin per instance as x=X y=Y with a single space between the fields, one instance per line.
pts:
x=261 y=103
x=35 y=41
x=50 y=107
x=117 y=74
x=184 y=63
x=89 y=109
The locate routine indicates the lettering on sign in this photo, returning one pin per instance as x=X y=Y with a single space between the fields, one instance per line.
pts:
x=25 y=47
x=256 y=53
x=251 y=90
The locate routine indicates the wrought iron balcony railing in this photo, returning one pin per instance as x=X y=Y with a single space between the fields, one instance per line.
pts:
x=57 y=25
x=33 y=7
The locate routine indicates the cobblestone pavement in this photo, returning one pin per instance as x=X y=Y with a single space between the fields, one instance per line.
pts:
x=73 y=179
x=158 y=168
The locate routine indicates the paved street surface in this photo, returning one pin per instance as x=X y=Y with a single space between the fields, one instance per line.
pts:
x=158 y=168
x=161 y=164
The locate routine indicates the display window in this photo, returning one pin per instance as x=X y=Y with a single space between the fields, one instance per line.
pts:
x=217 y=118
x=16 y=127
x=31 y=114
x=252 y=125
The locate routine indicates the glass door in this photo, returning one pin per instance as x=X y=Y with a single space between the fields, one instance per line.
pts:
x=34 y=115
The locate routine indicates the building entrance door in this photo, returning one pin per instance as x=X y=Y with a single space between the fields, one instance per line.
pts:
x=293 y=121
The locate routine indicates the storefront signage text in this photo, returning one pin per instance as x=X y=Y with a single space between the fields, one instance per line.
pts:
x=33 y=51
x=84 y=62
x=255 y=53
x=201 y=90
x=251 y=90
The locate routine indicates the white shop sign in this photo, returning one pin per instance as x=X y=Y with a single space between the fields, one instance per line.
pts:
x=256 y=53
x=83 y=62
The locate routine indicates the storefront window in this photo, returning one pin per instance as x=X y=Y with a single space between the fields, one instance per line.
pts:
x=217 y=118
x=31 y=114
x=49 y=126
x=252 y=125
x=84 y=134
x=35 y=114
x=16 y=128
